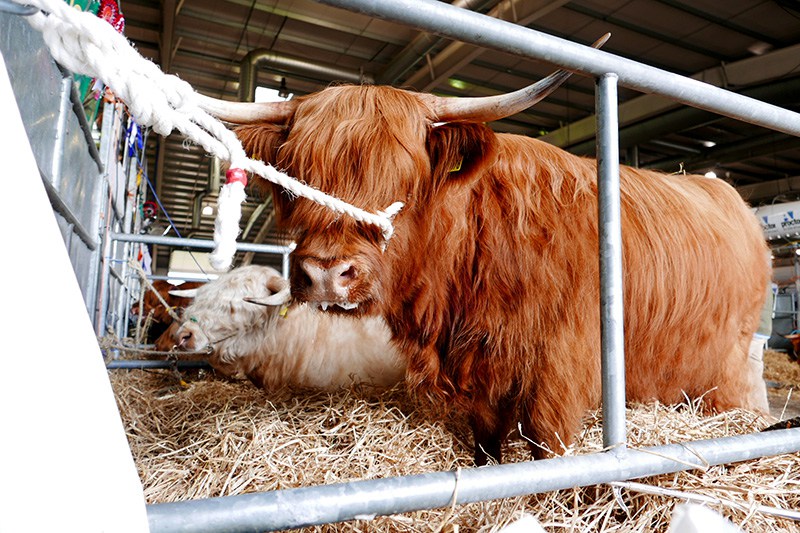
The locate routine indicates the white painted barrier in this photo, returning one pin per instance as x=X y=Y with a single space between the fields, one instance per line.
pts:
x=65 y=463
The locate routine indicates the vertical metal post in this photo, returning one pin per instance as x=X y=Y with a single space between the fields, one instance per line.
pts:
x=102 y=201
x=105 y=267
x=285 y=265
x=611 y=293
x=68 y=239
x=122 y=291
x=64 y=109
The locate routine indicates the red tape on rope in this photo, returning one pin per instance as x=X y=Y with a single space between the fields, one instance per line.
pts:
x=236 y=174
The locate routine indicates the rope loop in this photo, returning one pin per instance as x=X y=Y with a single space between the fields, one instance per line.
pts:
x=86 y=44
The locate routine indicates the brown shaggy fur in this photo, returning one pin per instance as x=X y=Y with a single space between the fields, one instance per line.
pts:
x=151 y=304
x=491 y=282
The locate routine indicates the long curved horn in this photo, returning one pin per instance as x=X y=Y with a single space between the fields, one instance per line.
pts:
x=248 y=112
x=184 y=293
x=488 y=108
x=279 y=298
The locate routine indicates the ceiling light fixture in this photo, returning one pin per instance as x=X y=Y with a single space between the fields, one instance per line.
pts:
x=759 y=48
x=457 y=84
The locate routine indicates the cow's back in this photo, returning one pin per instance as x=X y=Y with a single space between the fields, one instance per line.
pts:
x=696 y=265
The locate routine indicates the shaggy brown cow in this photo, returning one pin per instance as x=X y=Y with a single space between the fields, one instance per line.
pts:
x=152 y=305
x=490 y=284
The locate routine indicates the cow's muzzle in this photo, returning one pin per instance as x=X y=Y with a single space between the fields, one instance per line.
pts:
x=326 y=284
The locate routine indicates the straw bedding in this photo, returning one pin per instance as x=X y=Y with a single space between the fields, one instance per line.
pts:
x=780 y=369
x=213 y=437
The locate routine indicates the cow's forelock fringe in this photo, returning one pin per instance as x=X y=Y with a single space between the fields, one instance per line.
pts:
x=326 y=147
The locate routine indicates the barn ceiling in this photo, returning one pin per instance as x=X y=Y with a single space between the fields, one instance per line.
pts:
x=747 y=46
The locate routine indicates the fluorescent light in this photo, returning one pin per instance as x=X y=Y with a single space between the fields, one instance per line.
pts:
x=457 y=84
x=759 y=48
x=265 y=94
x=177 y=277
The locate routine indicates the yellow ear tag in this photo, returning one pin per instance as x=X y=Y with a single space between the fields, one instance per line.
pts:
x=283 y=311
x=458 y=166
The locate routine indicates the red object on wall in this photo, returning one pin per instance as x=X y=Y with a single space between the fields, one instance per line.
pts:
x=110 y=12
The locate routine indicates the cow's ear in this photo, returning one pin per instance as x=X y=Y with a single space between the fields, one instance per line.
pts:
x=460 y=150
x=261 y=142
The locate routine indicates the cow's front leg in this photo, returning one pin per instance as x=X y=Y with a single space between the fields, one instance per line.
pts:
x=487 y=438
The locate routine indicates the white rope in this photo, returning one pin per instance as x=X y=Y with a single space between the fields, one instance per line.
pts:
x=229 y=208
x=86 y=44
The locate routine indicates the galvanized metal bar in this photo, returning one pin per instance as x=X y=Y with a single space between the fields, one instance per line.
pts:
x=115 y=282
x=63 y=209
x=122 y=293
x=105 y=265
x=285 y=265
x=83 y=122
x=103 y=198
x=199 y=243
x=467 y=26
x=182 y=278
x=346 y=501
x=97 y=228
x=7 y=6
x=610 y=243
x=248 y=70
x=116 y=275
x=131 y=364
x=64 y=108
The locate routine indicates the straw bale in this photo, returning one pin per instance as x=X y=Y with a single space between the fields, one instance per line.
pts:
x=216 y=437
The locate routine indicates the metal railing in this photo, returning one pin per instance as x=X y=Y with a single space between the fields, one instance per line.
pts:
x=118 y=238
x=346 y=501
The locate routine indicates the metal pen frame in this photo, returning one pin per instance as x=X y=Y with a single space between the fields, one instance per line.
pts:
x=346 y=501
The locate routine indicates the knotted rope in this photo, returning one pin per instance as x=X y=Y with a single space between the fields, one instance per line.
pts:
x=147 y=286
x=86 y=44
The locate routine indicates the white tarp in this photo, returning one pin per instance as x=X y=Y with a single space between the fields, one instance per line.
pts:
x=65 y=463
